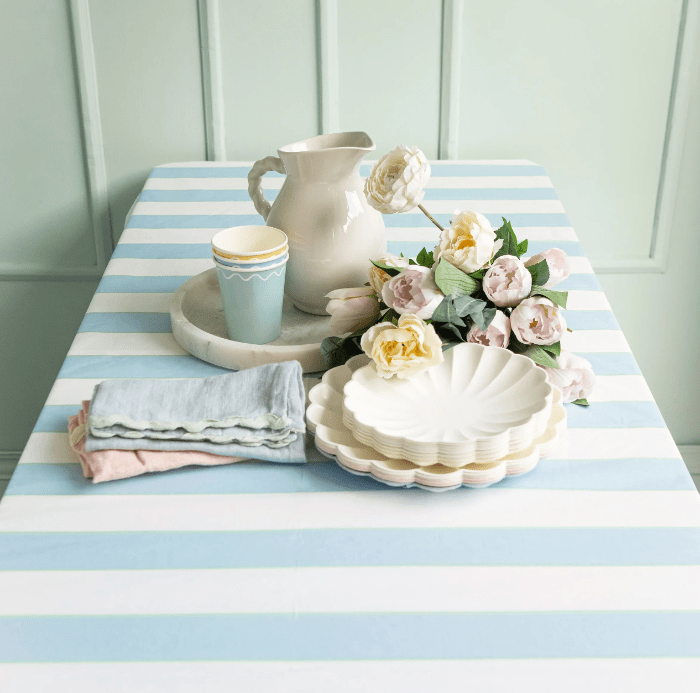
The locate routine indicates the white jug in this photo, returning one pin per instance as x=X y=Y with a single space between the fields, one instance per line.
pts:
x=322 y=208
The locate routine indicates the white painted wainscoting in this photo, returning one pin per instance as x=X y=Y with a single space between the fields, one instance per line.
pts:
x=605 y=95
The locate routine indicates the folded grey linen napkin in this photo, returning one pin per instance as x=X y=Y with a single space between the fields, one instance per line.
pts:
x=256 y=413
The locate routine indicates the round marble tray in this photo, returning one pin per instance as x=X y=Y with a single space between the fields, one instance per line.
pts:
x=197 y=319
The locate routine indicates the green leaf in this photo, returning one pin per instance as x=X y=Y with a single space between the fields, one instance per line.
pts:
x=453 y=329
x=452 y=281
x=390 y=316
x=583 y=402
x=521 y=248
x=479 y=274
x=391 y=271
x=485 y=319
x=558 y=297
x=541 y=357
x=425 y=258
x=510 y=242
x=554 y=349
x=411 y=261
x=466 y=305
x=515 y=345
x=539 y=272
x=337 y=350
x=447 y=313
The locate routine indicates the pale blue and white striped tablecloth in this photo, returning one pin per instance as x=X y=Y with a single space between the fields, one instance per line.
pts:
x=581 y=576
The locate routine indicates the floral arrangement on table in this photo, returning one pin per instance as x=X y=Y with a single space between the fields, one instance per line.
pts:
x=473 y=287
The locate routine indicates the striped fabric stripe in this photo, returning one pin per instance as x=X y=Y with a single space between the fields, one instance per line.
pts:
x=303 y=577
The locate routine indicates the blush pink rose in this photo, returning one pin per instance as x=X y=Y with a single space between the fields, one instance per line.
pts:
x=537 y=321
x=507 y=281
x=413 y=291
x=574 y=377
x=497 y=333
x=557 y=262
x=352 y=309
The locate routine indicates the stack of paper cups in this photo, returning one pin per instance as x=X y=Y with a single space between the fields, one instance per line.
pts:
x=250 y=264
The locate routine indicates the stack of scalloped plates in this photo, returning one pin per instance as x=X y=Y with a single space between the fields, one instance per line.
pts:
x=482 y=414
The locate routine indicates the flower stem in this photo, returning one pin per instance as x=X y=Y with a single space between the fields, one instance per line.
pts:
x=427 y=214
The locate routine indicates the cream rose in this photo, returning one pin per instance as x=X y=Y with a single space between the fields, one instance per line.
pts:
x=404 y=349
x=468 y=242
x=352 y=309
x=378 y=277
x=397 y=180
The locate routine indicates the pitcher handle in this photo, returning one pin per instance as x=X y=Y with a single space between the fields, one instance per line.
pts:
x=260 y=168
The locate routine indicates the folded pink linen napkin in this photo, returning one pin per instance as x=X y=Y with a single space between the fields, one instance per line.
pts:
x=108 y=465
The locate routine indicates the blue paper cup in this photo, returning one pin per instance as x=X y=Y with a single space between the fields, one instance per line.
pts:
x=252 y=301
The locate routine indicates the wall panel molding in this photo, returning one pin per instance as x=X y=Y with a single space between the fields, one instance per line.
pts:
x=671 y=160
x=450 y=76
x=94 y=162
x=328 y=65
x=212 y=84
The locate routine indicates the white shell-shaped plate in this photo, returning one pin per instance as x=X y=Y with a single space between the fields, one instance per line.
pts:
x=197 y=319
x=479 y=404
x=324 y=419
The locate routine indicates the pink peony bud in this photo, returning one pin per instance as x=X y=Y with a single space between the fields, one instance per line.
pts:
x=507 y=282
x=352 y=309
x=574 y=377
x=497 y=333
x=537 y=321
x=557 y=262
x=413 y=291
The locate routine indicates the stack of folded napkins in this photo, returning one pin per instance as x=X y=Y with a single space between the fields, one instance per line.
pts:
x=134 y=426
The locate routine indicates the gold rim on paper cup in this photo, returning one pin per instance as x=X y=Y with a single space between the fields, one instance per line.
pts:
x=251 y=258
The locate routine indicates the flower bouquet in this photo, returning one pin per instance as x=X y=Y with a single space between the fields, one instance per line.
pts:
x=473 y=287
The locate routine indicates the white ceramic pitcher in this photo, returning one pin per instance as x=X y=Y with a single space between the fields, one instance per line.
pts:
x=322 y=208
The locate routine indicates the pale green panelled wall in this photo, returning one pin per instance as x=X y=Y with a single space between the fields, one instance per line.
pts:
x=581 y=86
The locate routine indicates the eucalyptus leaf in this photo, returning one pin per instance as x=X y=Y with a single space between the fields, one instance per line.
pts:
x=447 y=313
x=558 y=297
x=466 y=305
x=583 y=402
x=453 y=329
x=539 y=272
x=425 y=258
x=452 y=281
x=391 y=271
x=485 y=318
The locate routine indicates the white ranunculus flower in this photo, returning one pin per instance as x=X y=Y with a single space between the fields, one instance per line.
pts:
x=397 y=180
x=404 y=349
x=378 y=277
x=468 y=242
x=352 y=309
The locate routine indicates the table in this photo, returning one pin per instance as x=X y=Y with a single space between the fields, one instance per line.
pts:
x=583 y=575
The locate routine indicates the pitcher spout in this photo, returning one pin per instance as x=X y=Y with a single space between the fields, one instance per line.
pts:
x=333 y=156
